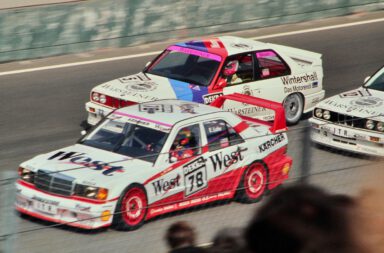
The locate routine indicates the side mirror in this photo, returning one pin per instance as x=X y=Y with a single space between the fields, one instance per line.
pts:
x=83 y=132
x=367 y=78
x=222 y=82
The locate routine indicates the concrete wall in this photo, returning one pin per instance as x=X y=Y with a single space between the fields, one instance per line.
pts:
x=75 y=27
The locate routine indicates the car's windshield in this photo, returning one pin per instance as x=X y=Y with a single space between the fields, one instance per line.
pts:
x=187 y=65
x=134 y=140
x=376 y=82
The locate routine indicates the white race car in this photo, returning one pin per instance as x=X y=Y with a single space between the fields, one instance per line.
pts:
x=153 y=158
x=202 y=70
x=353 y=120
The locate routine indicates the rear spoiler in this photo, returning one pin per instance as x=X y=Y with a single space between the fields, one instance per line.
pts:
x=278 y=125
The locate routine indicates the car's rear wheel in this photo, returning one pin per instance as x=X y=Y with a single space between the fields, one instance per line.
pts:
x=293 y=107
x=131 y=209
x=253 y=183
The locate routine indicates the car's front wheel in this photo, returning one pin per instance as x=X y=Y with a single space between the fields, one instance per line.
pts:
x=131 y=208
x=253 y=183
x=293 y=107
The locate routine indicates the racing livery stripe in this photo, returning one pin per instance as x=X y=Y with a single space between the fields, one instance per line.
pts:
x=188 y=92
x=181 y=89
x=200 y=53
x=241 y=127
x=77 y=198
x=169 y=169
x=175 y=165
x=141 y=118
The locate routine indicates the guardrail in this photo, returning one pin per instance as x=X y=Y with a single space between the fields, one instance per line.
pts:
x=82 y=26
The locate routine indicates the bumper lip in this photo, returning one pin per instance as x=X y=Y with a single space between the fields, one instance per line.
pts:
x=51 y=219
x=360 y=142
x=71 y=212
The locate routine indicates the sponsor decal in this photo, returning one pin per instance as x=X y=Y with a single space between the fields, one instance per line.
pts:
x=83 y=160
x=222 y=161
x=124 y=92
x=134 y=78
x=350 y=108
x=209 y=98
x=152 y=108
x=188 y=203
x=163 y=186
x=271 y=143
x=195 y=176
x=188 y=108
x=355 y=93
x=297 y=88
x=299 y=79
x=46 y=201
x=369 y=102
x=215 y=129
x=82 y=208
x=241 y=46
x=247 y=110
x=141 y=87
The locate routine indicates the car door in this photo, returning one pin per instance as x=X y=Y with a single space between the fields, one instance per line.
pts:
x=268 y=69
x=225 y=154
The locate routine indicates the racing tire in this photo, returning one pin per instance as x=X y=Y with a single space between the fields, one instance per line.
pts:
x=293 y=107
x=131 y=209
x=253 y=183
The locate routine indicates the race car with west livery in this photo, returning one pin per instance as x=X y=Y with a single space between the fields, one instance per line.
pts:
x=353 y=120
x=156 y=157
x=202 y=70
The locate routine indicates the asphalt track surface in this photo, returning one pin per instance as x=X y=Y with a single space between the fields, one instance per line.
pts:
x=41 y=111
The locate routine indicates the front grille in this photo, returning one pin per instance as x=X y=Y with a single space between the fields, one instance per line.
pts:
x=346 y=120
x=54 y=182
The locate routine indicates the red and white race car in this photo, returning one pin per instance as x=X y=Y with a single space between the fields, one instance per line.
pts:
x=202 y=70
x=152 y=158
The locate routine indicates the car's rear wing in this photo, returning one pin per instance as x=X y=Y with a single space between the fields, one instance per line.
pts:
x=278 y=124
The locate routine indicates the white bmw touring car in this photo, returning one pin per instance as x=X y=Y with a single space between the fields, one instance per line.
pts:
x=152 y=158
x=353 y=120
x=202 y=70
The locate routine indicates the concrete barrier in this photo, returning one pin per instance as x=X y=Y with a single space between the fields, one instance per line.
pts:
x=76 y=27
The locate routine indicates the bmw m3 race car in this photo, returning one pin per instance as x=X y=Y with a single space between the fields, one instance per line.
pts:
x=353 y=120
x=152 y=158
x=202 y=70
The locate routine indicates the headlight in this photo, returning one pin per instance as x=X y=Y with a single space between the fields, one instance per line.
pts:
x=91 y=192
x=95 y=97
x=319 y=113
x=102 y=99
x=26 y=174
x=380 y=126
x=370 y=124
x=326 y=115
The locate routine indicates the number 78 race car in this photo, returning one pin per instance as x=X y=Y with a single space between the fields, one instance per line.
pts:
x=152 y=158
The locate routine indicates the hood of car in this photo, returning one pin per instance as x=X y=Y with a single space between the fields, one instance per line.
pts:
x=143 y=87
x=363 y=103
x=87 y=165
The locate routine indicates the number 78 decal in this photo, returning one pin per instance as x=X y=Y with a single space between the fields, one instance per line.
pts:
x=195 y=176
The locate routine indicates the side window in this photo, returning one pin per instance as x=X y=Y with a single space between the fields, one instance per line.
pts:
x=238 y=69
x=270 y=65
x=186 y=144
x=220 y=135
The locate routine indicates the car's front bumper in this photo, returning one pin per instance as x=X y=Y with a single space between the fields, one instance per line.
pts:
x=96 y=112
x=64 y=210
x=347 y=138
